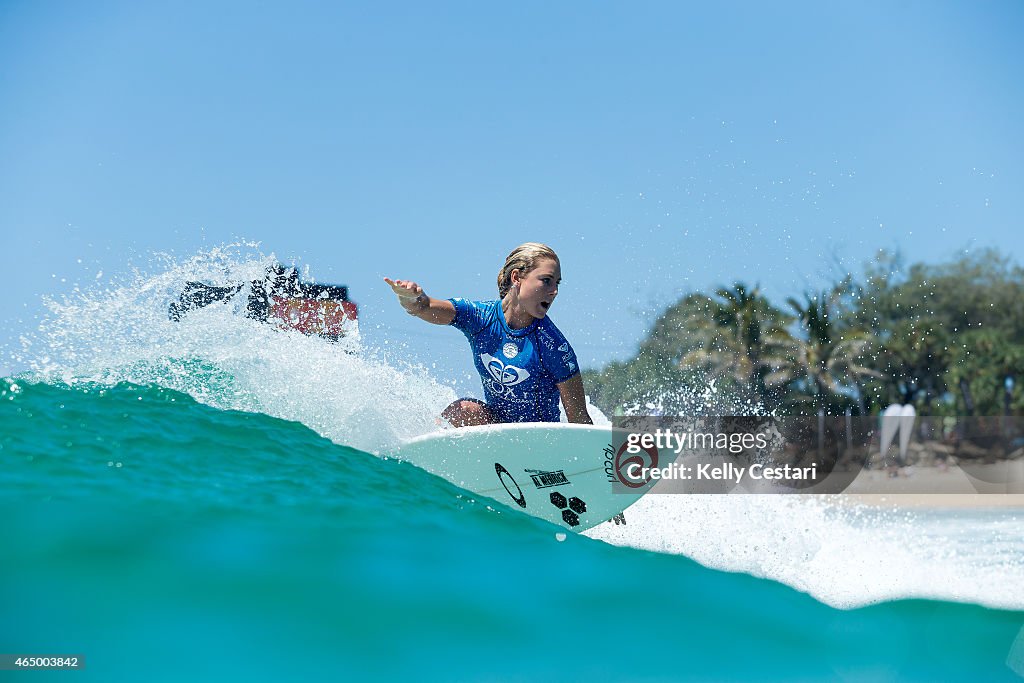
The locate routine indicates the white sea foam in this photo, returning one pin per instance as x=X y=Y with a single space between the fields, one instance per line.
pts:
x=120 y=332
x=844 y=555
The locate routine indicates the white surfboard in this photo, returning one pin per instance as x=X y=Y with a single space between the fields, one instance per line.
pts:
x=897 y=420
x=556 y=471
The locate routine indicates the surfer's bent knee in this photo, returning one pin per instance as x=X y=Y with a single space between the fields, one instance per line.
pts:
x=468 y=412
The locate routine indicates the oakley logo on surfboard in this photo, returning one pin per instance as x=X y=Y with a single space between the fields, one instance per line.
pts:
x=505 y=478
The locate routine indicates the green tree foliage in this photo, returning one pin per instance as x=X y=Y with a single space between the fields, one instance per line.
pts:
x=827 y=368
x=731 y=343
x=944 y=337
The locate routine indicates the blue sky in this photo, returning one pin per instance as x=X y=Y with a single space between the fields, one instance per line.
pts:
x=660 y=147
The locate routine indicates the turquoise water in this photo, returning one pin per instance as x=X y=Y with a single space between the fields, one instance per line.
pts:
x=165 y=539
x=206 y=501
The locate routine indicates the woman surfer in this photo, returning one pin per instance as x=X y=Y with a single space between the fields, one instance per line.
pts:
x=525 y=363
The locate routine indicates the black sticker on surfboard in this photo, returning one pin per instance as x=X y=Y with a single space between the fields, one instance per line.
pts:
x=505 y=478
x=571 y=508
x=543 y=480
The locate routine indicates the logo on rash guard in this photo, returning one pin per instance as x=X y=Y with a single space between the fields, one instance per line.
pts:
x=545 y=337
x=503 y=376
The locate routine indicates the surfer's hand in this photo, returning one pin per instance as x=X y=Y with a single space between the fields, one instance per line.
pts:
x=409 y=294
x=416 y=302
x=405 y=289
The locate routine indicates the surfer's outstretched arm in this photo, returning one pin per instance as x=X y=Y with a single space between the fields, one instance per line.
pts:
x=574 y=400
x=416 y=302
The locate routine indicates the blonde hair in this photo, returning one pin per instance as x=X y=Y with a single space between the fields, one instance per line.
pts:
x=524 y=259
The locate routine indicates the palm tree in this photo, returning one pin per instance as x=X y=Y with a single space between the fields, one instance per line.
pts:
x=735 y=336
x=828 y=363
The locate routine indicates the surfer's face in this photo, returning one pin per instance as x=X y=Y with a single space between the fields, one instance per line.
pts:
x=539 y=287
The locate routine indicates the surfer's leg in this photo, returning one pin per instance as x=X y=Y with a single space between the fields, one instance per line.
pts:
x=468 y=412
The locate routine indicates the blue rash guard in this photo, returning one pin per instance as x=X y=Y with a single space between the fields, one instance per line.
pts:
x=519 y=368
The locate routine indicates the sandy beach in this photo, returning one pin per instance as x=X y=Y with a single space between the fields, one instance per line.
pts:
x=936 y=501
x=989 y=485
x=997 y=485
